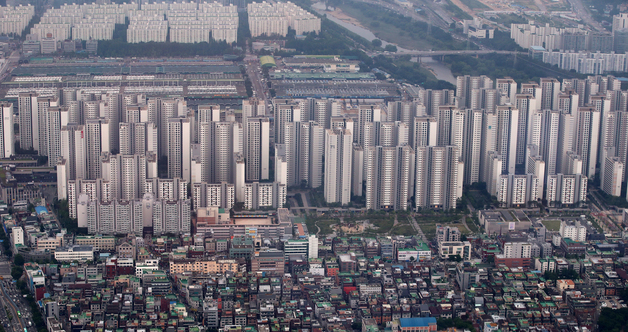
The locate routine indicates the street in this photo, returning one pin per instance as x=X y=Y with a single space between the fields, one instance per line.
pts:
x=12 y=302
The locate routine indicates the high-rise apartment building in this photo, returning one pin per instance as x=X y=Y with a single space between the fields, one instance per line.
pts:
x=7 y=137
x=57 y=117
x=613 y=174
x=586 y=140
x=466 y=84
x=517 y=250
x=27 y=106
x=387 y=175
x=507 y=129
x=438 y=177
x=527 y=106
x=573 y=230
x=97 y=141
x=550 y=89
x=338 y=165
x=39 y=123
x=179 y=155
x=507 y=88
x=257 y=151
x=304 y=142
x=472 y=148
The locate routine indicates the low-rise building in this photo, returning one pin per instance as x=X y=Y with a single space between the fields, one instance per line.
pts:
x=268 y=261
x=459 y=248
x=99 y=242
x=74 y=253
x=204 y=266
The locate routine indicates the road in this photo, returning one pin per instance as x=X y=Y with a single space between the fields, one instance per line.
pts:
x=439 y=53
x=418 y=229
x=253 y=70
x=13 y=308
x=583 y=13
x=10 y=64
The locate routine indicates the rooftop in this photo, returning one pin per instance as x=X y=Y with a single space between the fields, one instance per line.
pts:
x=417 y=322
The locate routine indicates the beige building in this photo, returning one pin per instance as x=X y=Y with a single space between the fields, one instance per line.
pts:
x=204 y=267
x=49 y=243
x=125 y=250
x=98 y=242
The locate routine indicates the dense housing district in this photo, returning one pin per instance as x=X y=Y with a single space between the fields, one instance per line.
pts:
x=258 y=192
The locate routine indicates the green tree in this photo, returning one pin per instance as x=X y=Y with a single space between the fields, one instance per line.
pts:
x=18 y=260
x=376 y=43
x=390 y=48
x=613 y=320
x=16 y=272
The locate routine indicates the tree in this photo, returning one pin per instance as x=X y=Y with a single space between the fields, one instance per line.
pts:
x=455 y=258
x=18 y=260
x=42 y=160
x=16 y=272
x=390 y=48
x=376 y=43
x=613 y=319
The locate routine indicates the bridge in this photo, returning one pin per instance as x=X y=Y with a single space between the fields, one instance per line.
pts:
x=442 y=53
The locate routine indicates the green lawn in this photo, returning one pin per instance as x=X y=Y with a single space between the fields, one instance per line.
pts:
x=429 y=230
x=474 y=4
x=386 y=31
x=456 y=11
x=323 y=223
x=384 y=225
x=552 y=225
x=400 y=30
x=472 y=226
x=407 y=230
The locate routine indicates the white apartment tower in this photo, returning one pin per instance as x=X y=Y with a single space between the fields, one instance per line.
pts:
x=466 y=84
x=550 y=89
x=472 y=149
x=96 y=142
x=257 y=152
x=438 y=177
x=179 y=155
x=586 y=141
x=304 y=142
x=507 y=128
x=57 y=117
x=74 y=150
x=612 y=179
x=387 y=174
x=573 y=230
x=367 y=113
x=425 y=132
x=517 y=250
x=338 y=158
x=27 y=106
x=507 y=88
x=39 y=122
x=527 y=106
x=7 y=137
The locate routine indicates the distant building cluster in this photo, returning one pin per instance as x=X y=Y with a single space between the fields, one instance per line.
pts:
x=245 y=271
x=81 y=22
x=568 y=39
x=476 y=28
x=186 y=22
x=587 y=62
x=576 y=48
x=13 y=20
x=275 y=19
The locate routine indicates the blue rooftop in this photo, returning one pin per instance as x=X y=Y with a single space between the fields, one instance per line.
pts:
x=41 y=209
x=417 y=322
